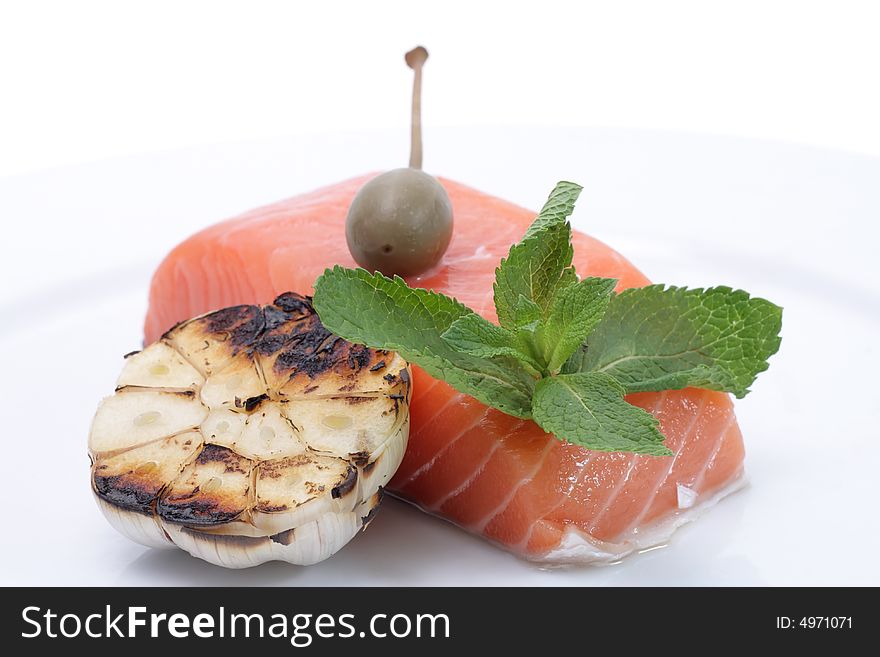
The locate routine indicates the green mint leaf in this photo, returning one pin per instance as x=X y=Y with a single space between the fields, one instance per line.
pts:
x=574 y=313
x=526 y=314
x=558 y=208
x=385 y=313
x=541 y=263
x=667 y=338
x=589 y=410
x=577 y=362
x=471 y=334
x=534 y=268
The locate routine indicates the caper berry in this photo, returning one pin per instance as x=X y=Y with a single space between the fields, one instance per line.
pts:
x=400 y=222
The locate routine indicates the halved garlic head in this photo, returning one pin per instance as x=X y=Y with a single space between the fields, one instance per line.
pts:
x=250 y=434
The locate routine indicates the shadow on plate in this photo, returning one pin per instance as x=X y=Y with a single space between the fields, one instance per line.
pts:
x=405 y=547
x=707 y=541
x=402 y=546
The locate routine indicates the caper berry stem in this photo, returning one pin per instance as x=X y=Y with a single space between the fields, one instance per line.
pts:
x=415 y=59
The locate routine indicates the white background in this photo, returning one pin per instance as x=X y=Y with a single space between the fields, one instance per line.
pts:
x=192 y=112
x=87 y=80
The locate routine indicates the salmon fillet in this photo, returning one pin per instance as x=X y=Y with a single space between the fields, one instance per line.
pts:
x=502 y=478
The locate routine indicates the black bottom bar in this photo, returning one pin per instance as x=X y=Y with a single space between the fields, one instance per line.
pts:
x=434 y=621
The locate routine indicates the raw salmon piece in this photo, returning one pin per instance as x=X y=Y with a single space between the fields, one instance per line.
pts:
x=492 y=474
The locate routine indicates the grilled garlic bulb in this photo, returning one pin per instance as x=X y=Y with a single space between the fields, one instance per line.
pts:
x=250 y=434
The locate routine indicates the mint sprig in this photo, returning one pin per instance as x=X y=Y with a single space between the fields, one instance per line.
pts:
x=567 y=350
x=385 y=313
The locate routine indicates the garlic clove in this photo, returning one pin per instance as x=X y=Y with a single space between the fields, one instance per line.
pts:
x=353 y=426
x=213 y=489
x=212 y=341
x=134 y=417
x=297 y=489
x=237 y=386
x=159 y=366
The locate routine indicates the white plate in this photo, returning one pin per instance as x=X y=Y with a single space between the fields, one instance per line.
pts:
x=794 y=224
